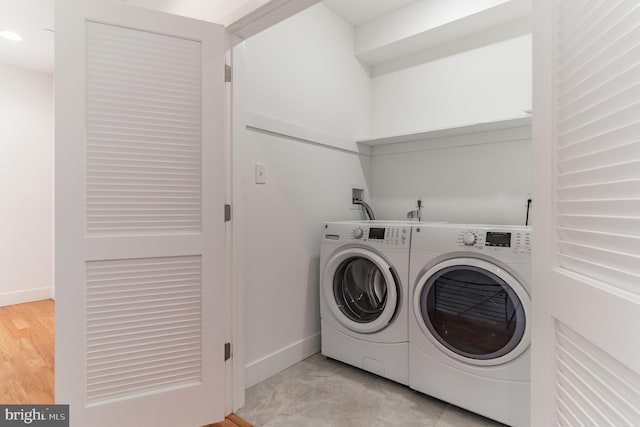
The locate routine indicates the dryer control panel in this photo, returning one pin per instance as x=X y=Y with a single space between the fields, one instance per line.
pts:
x=388 y=236
x=516 y=241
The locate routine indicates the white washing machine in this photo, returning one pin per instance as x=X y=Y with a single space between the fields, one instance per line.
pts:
x=364 y=271
x=469 y=326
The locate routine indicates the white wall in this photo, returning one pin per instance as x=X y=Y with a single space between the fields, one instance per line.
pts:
x=480 y=85
x=301 y=72
x=26 y=185
x=488 y=183
x=485 y=183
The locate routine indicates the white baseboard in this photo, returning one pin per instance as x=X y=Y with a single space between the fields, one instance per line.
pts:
x=27 y=295
x=267 y=366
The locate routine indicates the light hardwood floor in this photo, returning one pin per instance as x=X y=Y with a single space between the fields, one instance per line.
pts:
x=26 y=353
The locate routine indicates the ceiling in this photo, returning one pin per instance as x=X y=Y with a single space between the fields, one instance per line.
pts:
x=33 y=19
x=358 y=12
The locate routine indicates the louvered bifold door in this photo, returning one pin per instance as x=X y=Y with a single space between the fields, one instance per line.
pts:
x=139 y=217
x=587 y=224
x=143 y=133
x=598 y=143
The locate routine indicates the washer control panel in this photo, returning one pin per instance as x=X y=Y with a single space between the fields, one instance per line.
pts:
x=515 y=241
x=388 y=236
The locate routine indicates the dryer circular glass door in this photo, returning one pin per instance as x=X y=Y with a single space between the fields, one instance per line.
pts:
x=473 y=310
x=361 y=289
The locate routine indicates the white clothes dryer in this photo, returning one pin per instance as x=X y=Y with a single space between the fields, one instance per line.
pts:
x=364 y=271
x=469 y=327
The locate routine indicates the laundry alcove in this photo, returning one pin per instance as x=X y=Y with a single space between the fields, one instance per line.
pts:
x=447 y=121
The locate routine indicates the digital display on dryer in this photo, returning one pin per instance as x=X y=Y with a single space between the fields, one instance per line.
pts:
x=376 y=233
x=500 y=239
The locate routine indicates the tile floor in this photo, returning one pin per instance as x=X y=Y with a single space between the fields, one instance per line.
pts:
x=320 y=392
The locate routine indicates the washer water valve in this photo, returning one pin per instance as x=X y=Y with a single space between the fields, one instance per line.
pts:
x=415 y=215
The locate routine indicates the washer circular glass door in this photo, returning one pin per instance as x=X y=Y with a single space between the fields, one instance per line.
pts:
x=360 y=289
x=473 y=310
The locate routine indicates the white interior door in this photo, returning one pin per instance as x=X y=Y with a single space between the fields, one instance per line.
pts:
x=139 y=245
x=586 y=220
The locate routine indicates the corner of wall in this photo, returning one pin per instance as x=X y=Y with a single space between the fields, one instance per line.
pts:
x=277 y=361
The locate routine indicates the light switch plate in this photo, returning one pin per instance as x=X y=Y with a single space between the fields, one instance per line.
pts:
x=261 y=173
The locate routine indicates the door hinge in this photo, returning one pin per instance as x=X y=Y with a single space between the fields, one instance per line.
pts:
x=227 y=73
x=227 y=351
x=227 y=213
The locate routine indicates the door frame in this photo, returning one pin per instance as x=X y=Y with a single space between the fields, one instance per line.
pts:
x=237 y=243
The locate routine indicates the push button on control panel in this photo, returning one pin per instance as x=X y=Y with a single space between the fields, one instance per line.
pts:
x=522 y=243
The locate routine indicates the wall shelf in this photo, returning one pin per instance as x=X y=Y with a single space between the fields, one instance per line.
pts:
x=513 y=129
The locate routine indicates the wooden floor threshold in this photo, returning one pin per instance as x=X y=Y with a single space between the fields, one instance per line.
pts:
x=231 y=421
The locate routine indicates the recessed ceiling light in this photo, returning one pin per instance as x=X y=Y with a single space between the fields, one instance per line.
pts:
x=10 y=35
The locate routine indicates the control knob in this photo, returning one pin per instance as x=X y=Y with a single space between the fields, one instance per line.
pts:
x=358 y=233
x=469 y=238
